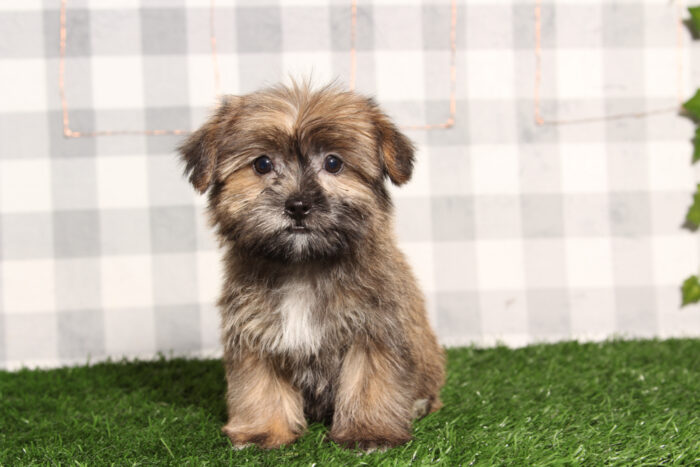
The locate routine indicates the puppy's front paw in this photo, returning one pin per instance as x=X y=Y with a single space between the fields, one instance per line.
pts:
x=264 y=439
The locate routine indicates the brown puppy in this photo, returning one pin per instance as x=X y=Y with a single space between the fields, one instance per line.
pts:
x=321 y=315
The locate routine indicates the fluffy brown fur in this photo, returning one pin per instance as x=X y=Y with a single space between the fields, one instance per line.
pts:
x=321 y=317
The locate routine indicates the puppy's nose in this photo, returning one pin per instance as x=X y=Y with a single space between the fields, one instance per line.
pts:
x=297 y=208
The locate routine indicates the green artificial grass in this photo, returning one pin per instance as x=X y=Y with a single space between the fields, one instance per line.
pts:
x=634 y=402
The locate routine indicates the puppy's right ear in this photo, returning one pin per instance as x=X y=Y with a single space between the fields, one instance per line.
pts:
x=396 y=150
x=200 y=151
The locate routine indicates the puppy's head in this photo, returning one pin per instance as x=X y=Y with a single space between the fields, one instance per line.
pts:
x=297 y=174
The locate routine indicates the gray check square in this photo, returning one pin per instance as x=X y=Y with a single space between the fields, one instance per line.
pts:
x=166 y=186
x=548 y=313
x=503 y=312
x=340 y=27
x=436 y=75
x=198 y=29
x=305 y=28
x=80 y=120
x=259 y=29
x=166 y=118
x=125 y=231
x=121 y=120
x=398 y=28
x=497 y=216
x=627 y=129
x=484 y=121
x=163 y=31
x=592 y=311
x=632 y=261
x=367 y=80
x=115 y=32
x=454 y=266
x=78 y=33
x=545 y=263
x=173 y=117
x=34 y=336
x=78 y=86
x=209 y=320
x=262 y=69
x=341 y=24
x=76 y=233
x=458 y=315
x=408 y=112
x=438 y=111
x=165 y=83
x=635 y=312
x=177 y=328
x=575 y=109
x=173 y=229
x=586 y=215
x=73 y=184
x=540 y=168
x=80 y=334
x=630 y=214
x=668 y=211
x=659 y=24
x=527 y=131
x=20 y=31
x=623 y=25
x=667 y=126
x=623 y=73
x=668 y=299
x=26 y=236
x=453 y=218
x=175 y=279
x=436 y=23
x=482 y=26
x=206 y=238
x=162 y=3
x=78 y=284
x=543 y=215
x=51 y=30
x=524 y=25
x=580 y=26
x=413 y=219
x=23 y=135
x=628 y=166
x=451 y=170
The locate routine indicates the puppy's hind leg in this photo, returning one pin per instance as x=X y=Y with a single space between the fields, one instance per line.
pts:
x=264 y=409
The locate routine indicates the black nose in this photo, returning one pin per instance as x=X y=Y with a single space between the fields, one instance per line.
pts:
x=297 y=208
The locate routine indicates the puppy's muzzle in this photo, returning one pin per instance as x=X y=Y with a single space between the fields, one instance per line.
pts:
x=297 y=208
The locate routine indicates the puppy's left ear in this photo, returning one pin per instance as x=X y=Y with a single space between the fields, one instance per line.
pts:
x=396 y=150
x=200 y=151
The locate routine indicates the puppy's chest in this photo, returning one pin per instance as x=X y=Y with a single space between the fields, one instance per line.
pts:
x=300 y=319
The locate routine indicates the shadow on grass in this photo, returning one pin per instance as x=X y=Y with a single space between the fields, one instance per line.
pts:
x=179 y=382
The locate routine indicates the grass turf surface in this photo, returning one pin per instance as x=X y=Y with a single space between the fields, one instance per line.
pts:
x=634 y=402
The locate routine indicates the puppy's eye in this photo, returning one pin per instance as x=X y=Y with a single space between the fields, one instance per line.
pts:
x=332 y=164
x=262 y=164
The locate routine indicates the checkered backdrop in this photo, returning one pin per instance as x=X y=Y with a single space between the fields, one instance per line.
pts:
x=518 y=232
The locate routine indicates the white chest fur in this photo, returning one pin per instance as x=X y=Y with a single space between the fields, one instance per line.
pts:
x=300 y=330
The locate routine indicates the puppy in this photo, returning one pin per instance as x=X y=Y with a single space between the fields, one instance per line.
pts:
x=321 y=315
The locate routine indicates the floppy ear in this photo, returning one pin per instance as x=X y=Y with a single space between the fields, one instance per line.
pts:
x=396 y=151
x=200 y=151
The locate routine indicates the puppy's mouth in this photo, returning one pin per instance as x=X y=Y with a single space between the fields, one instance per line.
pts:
x=298 y=228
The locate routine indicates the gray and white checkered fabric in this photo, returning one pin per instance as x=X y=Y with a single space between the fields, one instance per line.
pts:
x=517 y=232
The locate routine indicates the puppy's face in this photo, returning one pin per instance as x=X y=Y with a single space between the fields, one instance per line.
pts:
x=295 y=174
